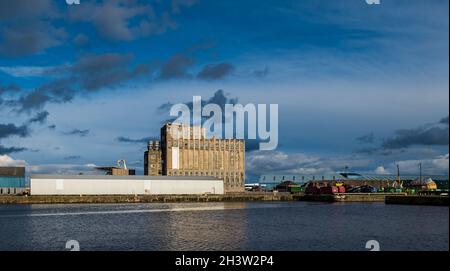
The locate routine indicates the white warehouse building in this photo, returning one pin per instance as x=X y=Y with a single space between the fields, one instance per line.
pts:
x=123 y=185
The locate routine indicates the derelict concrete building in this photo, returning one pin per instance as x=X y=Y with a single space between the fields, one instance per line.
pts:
x=185 y=151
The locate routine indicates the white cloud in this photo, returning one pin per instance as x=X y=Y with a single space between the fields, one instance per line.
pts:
x=381 y=170
x=62 y=169
x=25 y=71
x=277 y=162
x=436 y=165
x=7 y=161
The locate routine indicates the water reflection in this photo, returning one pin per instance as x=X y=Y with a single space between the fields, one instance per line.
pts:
x=207 y=230
x=224 y=226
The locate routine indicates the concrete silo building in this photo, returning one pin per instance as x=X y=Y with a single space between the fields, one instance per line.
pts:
x=185 y=151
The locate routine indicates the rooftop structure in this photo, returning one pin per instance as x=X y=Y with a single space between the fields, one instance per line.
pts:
x=12 y=180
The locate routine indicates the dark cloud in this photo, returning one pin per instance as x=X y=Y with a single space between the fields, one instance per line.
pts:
x=81 y=40
x=139 y=140
x=32 y=101
x=261 y=73
x=178 y=4
x=434 y=136
x=9 y=88
x=29 y=38
x=98 y=71
x=27 y=28
x=9 y=150
x=89 y=73
x=219 y=97
x=23 y=9
x=366 y=139
x=379 y=151
x=215 y=71
x=176 y=67
x=72 y=157
x=78 y=132
x=124 y=20
x=7 y=130
x=40 y=117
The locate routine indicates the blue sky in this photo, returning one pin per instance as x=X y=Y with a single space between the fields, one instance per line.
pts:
x=358 y=85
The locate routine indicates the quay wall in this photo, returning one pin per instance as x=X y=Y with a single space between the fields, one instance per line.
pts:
x=418 y=200
x=238 y=197
x=347 y=197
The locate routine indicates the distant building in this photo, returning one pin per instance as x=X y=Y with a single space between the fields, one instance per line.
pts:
x=192 y=154
x=271 y=181
x=152 y=159
x=12 y=180
x=120 y=170
x=115 y=171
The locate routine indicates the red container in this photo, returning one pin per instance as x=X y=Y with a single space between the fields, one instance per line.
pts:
x=329 y=190
x=341 y=189
x=312 y=190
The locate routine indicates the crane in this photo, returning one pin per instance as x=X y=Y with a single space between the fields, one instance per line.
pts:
x=122 y=164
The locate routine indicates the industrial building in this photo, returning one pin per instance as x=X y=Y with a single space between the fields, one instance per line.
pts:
x=123 y=185
x=269 y=182
x=12 y=180
x=192 y=154
x=120 y=170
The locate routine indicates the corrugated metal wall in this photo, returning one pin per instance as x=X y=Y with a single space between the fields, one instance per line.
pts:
x=100 y=186
x=12 y=182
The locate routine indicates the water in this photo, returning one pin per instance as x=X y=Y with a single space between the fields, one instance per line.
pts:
x=224 y=226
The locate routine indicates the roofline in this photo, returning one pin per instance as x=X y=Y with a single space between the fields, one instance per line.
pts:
x=127 y=177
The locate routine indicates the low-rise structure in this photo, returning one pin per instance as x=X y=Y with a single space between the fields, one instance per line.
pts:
x=269 y=182
x=12 y=180
x=123 y=185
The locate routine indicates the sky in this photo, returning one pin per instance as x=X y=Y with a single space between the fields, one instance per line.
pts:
x=357 y=85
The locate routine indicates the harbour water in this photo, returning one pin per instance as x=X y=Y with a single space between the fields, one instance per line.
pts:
x=224 y=226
